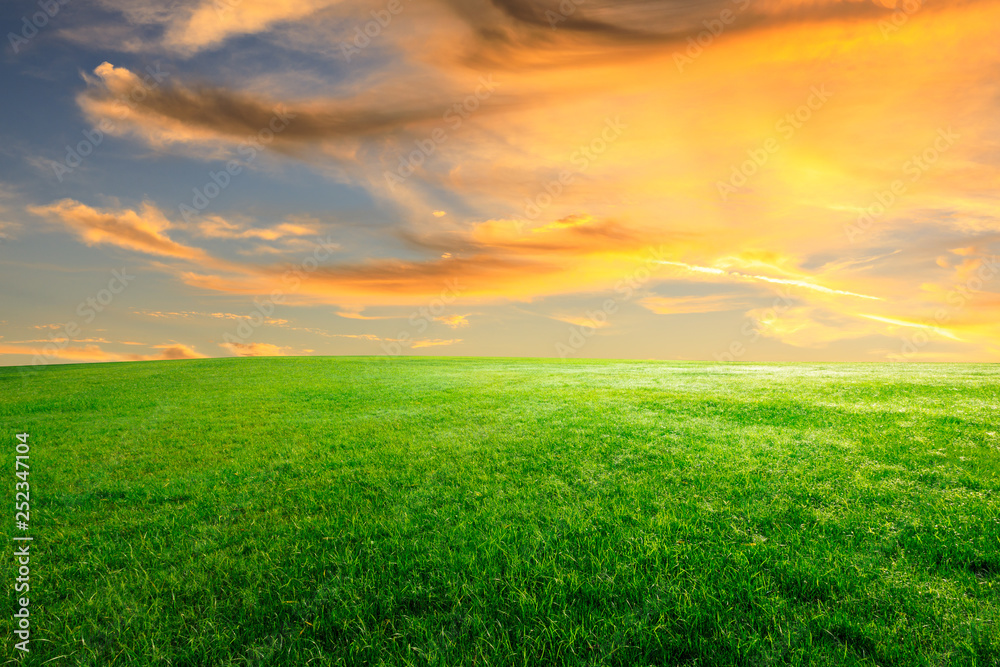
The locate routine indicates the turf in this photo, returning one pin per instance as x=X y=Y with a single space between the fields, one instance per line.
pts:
x=317 y=511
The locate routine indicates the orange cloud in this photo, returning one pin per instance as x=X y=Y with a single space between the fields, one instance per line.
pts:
x=355 y=314
x=581 y=321
x=142 y=231
x=434 y=343
x=453 y=321
x=211 y=22
x=663 y=305
x=176 y=351
x=256 y=349
x=56 y=352
x=69 y=353
x=217 y=227
x=253 y=349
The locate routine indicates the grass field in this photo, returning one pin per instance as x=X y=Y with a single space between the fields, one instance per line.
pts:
x=316 y=511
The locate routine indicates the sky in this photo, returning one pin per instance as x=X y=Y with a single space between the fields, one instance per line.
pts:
x=731 y=180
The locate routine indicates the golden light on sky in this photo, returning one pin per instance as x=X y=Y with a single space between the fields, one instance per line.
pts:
x=744 y=180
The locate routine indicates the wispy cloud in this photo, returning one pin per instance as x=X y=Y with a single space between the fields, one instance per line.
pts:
x=143 y=230
x=434 y=342
x=453 y=321
x=736 y=275
x=217 y=227
x=93 y=352
x=665 y=305
x=580 y=321
x=258 y=350
x=903 y=323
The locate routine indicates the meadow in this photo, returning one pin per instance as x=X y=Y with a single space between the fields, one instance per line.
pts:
x=435 y=511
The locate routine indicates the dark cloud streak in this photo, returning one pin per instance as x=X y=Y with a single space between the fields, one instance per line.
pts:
x=514 y=33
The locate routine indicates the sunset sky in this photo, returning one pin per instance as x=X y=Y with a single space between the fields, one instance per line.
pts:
x=749 y=180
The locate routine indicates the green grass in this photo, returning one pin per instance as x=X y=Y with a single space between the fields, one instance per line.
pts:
x=355 y=511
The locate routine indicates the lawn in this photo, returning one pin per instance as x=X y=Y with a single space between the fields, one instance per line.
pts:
x=433 y=511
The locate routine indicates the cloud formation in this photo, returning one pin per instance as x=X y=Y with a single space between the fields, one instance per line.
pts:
x=143 y=230
x=588 y=168
x=255 y=349
x=62 y=351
